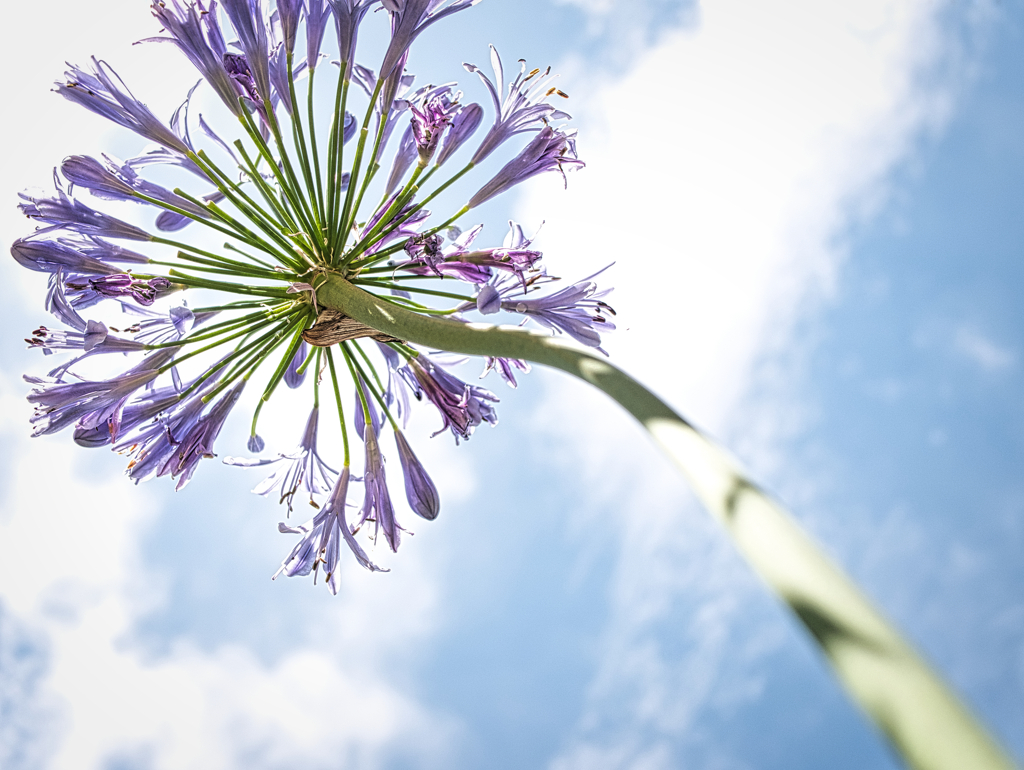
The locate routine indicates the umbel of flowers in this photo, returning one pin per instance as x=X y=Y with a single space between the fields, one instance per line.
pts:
x=292 y=201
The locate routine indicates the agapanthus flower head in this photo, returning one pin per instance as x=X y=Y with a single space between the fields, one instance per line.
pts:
x=297 y=206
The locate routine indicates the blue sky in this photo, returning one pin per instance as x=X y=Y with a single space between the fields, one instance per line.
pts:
x=815 y=218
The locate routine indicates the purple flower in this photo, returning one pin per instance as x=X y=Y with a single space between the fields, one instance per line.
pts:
x=88 y=291
x=194 y=28
x=237 y=67
x=394 y=99
x=576 y=310
x=347 y=16
x=462 y=406
x=90 y=403
x=426 y=249
x=320 y=543
x=197 y=443
x=464 y=125
x=50 y=256
x=95 y=338
x=429 y=120
x=304 y=468
x=137 y=411
x=396 y=392
x=120 y=183
x=288 y=14
x=408 y=19
x=172 y=221
x=419 y=489
x=103 y=92
x=247 y=18
x=317 y=14
x=427 y=257
x=292 y=378
x=62 y=211
x=513 y=256
x=473 y=265
x=154 y=155
x=377 y=505
x=407 y=152
x=360 y=413
x=153 y=445
x=504 y=368
x=164 y=327
x=279 y=77
x=551 y=150
x=522 y=109
x=92 y=246
x=58 y=304
x=410 y=222
x=488 y=300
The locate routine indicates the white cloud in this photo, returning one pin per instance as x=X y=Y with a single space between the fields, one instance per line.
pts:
x=723 y=169
x=975 y=346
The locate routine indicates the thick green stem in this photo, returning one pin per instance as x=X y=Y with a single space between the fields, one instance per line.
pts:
x=906 y=699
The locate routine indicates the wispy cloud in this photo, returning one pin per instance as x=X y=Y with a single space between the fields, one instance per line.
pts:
x=970 y=343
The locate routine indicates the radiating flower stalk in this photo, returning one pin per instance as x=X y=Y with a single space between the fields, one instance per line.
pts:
x=334 y=275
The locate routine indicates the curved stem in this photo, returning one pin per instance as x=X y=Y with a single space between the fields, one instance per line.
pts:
x=895 y=687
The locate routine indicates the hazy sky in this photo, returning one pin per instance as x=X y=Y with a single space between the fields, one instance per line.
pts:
x=814 y=212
